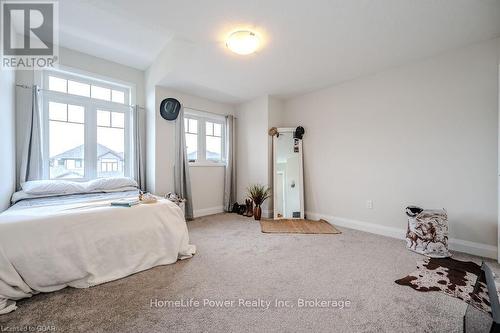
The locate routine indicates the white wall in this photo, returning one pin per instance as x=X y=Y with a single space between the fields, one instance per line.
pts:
x=207 y=183
x=275 y=110
x=423 y=134
x=166 y=60
x=106 y=69
x=254 y=145
x=7 y=137
x=275 y=114
x=252 y=154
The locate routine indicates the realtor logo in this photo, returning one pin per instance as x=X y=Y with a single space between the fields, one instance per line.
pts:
x=29 y=34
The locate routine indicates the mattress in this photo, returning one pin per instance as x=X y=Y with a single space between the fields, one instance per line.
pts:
x=72 y=199
x=47 y=244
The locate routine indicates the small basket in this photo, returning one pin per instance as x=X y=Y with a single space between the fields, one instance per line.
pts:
x=427 y=232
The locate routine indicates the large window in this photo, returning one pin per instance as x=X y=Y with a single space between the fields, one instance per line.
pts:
x=204 y=138
x=87 y=127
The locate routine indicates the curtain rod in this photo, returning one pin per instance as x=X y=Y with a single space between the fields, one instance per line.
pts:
x=139 y=106
x=40 y=89
x=200 y=110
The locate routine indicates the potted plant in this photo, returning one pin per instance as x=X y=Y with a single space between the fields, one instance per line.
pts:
x=259 y=194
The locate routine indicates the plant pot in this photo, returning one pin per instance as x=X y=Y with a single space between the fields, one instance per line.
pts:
x=257 y=213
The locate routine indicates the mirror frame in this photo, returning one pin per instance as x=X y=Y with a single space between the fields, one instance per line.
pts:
x=301 y=175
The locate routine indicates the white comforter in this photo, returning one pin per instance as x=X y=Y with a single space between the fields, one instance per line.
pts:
x=47 y=248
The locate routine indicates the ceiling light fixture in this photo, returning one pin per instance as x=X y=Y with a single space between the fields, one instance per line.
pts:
x=243 y=42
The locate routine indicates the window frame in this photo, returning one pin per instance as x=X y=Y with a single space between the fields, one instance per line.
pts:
x=203 y=118
x=90 y=105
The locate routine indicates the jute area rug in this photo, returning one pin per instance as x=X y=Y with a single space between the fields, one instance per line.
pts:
x=297 y=226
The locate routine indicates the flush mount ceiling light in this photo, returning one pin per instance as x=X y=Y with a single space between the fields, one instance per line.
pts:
x=243 y=42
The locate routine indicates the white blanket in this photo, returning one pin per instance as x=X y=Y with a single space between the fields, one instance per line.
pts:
x=47 y=248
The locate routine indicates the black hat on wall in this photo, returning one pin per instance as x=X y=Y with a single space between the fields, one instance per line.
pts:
x=299 y=132
x=169 y=108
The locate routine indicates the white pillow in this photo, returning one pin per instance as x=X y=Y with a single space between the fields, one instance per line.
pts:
x=110 y=184
x=59 y=187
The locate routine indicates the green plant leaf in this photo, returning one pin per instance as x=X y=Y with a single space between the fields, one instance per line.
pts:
x=258 y=193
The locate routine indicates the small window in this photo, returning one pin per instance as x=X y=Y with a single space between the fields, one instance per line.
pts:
x=76 y=114
x=78 y=88
x=58 y=111
x=101 y=93
x=109 y=165
x=103 y=118
x=191 y=129
x=57 y=84
x=213 y=142
x=118 y=96
x=117 y=120
x=209 y=128
x=218 y=130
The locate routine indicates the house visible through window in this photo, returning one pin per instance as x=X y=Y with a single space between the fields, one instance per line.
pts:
x=204 y=138
x=191 y=128
x=213 y=137
x=110 y=143
x=87 y=126
x=66 y=140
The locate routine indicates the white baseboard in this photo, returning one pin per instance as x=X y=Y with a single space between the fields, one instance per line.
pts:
x=208 y=211
x=478 y=249
x=267 y=213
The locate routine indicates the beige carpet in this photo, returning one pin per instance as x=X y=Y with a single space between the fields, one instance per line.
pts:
x=297 y=226
x=235 y=260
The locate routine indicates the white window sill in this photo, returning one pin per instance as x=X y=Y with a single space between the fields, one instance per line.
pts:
x=206 y=164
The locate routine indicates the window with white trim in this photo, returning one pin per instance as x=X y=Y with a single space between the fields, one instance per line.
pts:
x=87 y=127
x=205 y=138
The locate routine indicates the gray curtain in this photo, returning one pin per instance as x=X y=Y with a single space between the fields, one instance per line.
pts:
x=182 y=181
x=31 y=159
x=230 y=171
x=139 y=151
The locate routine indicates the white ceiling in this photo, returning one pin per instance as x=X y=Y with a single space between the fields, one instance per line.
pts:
x=308 y=44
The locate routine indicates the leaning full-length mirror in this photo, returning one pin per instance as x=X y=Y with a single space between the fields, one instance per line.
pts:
x=288 y=190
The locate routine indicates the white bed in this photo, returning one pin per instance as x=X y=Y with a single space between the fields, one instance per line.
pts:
x=47 y=244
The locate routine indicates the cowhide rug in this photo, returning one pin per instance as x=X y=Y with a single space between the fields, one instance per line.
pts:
x=453 y=277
